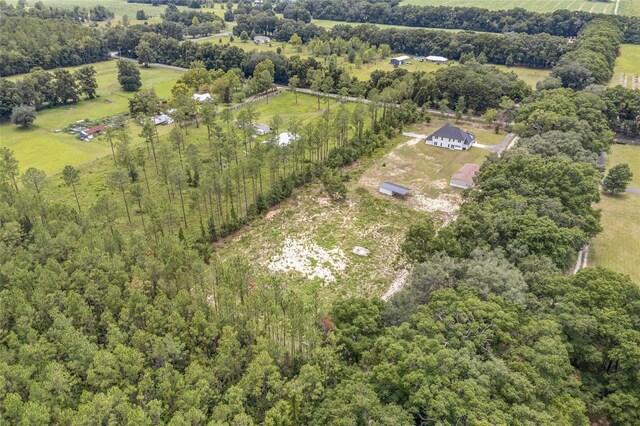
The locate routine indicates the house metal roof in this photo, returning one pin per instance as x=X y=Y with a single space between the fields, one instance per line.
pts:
x=401 y=58
x=436 y=58
x=451 y=132
x=395 y=188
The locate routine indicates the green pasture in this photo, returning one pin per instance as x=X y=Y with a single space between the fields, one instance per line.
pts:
x=40 y=147
x=627 y=67
x=328 y=24
x=618 y=245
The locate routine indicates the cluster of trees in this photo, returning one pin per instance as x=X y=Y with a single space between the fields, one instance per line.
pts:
x=29 y=42
x=355 y=50
x=39 y=10
x=623 y=109
x=41 y=89
x=561 y=23
x=193 y=4
x=196 y=23
x=591 y=58
x=539 y=50
x=566 y=111
x=471 y=87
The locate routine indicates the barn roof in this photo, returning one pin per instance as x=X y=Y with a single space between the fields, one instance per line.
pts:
x=466 y=173
x=398 y=189
x=94 y=129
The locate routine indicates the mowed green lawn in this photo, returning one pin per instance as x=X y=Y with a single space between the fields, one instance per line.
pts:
x=40 y=147
x=627 y=67
x=618 y=246
x=325 y=23
x=534 y=5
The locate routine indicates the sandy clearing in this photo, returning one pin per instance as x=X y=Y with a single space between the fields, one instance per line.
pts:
x=446 y=203
x=309 y=259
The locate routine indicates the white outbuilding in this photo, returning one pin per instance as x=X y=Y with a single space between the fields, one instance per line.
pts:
x=202 y=97
x=436 y=59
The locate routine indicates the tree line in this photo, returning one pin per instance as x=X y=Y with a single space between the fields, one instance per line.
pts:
x=42 y=89
x=561 y=23
x=40 y=10
x=591 y=58
x=538 y=51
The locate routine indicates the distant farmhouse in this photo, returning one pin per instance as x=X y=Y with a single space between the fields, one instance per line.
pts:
x=436 y=59
x=87 y=135
x=261 y=40
x=451 y=137
x=159 y=119
x=463 y=178
x=399 y=60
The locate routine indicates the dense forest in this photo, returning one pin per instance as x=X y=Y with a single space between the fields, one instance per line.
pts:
x=149 y=327
x=29 y=42
x=120 y=310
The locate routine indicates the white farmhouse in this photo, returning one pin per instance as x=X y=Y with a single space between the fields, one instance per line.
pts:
x=451 y=137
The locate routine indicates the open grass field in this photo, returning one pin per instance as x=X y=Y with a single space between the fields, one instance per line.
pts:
x=618 y=246
x=534 y=5
x=328 y=24
x=627 y=70
x=40 y=147
x=629 y=8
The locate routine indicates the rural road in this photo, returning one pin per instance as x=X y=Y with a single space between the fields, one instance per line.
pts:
x=633 y=191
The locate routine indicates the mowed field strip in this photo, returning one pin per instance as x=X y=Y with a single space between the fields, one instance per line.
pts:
x=627 y=70
x=618 y=245
x=535 y=5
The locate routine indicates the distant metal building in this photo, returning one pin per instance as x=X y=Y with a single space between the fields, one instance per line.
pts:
x=261 y=129
x=436 y=59
x=261 y=40
x=399 y=60
x=394 y=190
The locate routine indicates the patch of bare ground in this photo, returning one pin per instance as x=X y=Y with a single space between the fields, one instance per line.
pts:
x=310 y=240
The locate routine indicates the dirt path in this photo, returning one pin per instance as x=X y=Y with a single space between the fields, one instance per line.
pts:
x=115 y=55
x=397 y=284
x=615 y=10
x=583 y=259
